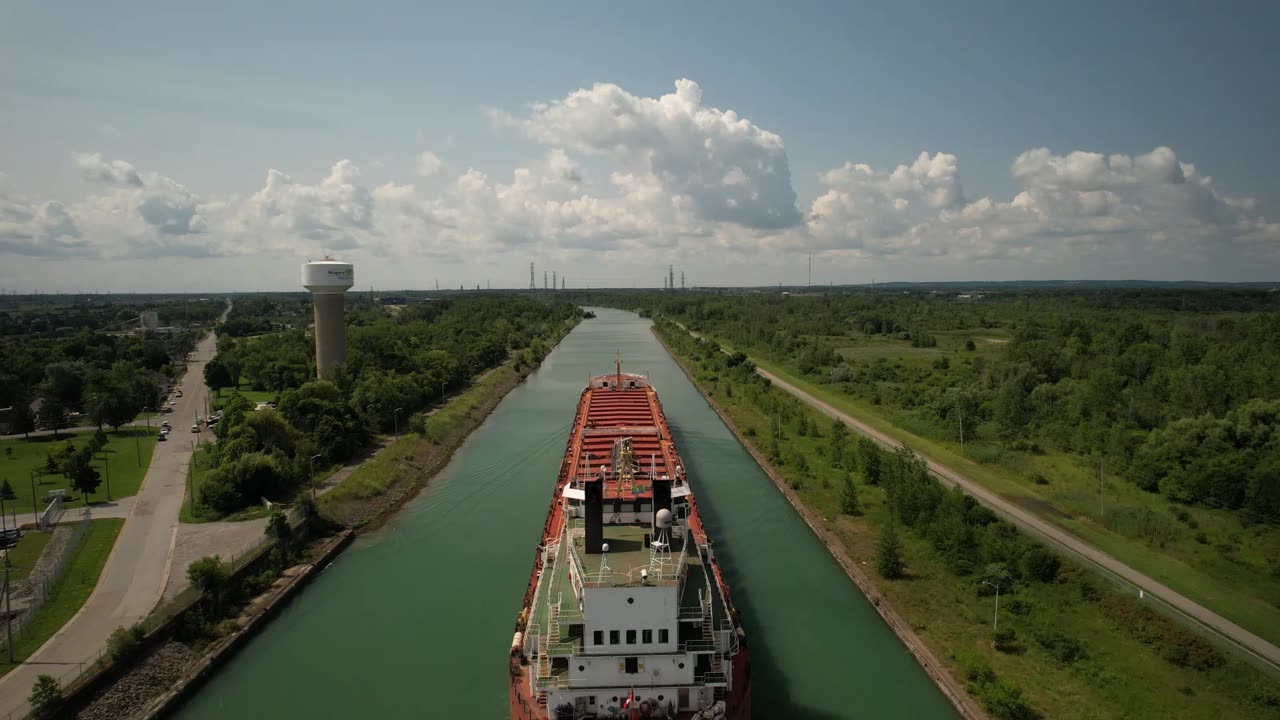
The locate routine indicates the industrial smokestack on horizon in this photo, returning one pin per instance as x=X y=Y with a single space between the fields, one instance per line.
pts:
x=328 y=280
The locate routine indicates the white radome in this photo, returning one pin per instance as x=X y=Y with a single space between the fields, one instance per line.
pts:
x=328 y=276
x=663 y=518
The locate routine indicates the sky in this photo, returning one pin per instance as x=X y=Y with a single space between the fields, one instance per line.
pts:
x=171 y=146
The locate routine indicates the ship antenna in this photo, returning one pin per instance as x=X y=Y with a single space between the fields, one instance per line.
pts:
x=604 y=562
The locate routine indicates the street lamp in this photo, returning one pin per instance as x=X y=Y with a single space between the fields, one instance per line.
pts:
x=396 y=417
x=35 y=510
x=311 y=472
x=106 y=463
x=995 y=621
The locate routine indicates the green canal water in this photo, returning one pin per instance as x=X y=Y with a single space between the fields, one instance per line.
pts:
x=416 y=621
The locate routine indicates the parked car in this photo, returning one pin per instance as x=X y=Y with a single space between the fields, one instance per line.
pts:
x=166 y=409
x=162 y=437
x=195 y=428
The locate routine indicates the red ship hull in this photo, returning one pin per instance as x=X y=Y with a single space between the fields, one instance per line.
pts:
x=596 y=415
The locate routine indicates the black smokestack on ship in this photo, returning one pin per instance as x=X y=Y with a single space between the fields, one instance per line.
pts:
x=661 y=497
x=594 y=505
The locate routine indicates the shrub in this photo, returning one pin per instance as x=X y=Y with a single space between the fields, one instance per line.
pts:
x=1006 y=640
x=1019 y=607
x=1041 y=564
x=124 y=643
x=45 y=695
x=1039 y=479
x=1059 y=646
x=1004 y=700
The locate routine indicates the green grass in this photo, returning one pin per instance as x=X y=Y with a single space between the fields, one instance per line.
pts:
x=1241 y=587
x=128 y=451
x=386 y=467
x=245 y=389
x=23 y=556
x=1120 y=676
x=70 y=592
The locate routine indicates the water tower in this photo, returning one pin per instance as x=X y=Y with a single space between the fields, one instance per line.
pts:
x=328 y=280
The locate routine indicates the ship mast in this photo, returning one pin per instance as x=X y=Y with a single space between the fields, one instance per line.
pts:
x=618 y=364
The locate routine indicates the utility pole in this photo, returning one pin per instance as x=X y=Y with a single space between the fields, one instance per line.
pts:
x=810 y=269
x=561 y=283
x=191 y=493
x=437 y=284
x=8 y=612
x=106 y=462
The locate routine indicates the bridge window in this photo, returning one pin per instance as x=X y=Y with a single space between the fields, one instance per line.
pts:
x=662 y=636
x=613 y=637
x=631 y=637
x=633 y=666
x=597 y=638
x=646 y=637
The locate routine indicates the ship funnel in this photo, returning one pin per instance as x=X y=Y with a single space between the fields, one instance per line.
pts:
x=593 y=506
x=661 y=502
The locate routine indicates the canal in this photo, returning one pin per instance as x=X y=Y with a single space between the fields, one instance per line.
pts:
x=416 y=620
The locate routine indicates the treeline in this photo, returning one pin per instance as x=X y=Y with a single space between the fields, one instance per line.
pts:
x=1182 y=386
x=108 y=378
x=396 y=366
x=37 y=316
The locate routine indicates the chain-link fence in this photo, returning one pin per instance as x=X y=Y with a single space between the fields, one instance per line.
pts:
x=41 y=586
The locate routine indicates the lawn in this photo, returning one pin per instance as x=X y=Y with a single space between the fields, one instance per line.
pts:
x=1229 y=574
x=70 y=592
x=245 y=389
x=125 y=459
x=1117 y=675
x=23 y=556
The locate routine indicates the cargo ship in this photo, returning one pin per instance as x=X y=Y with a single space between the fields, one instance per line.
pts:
x=626 y=614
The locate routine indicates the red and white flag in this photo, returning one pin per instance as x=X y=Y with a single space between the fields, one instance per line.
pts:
x=630 y=699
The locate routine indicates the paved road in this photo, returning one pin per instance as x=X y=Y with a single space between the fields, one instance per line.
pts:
x=1046 y=530
x=138 y=568
x=1053 y=533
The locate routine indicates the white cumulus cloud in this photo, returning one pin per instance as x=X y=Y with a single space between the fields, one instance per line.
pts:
x=726 y=167
x=429 y=164
x=624 y=181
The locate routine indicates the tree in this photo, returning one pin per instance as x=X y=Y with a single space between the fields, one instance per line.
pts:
x=209 y=574
x=217 y=375
x=849 y=498
x=278 y=527
x=968 y=345
x=872 y=470
x=45 y=695
x=84 y=477
x=839 y=438
x=889 y=560
x=6 y=494
x=24 y=420
x=52 y=414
